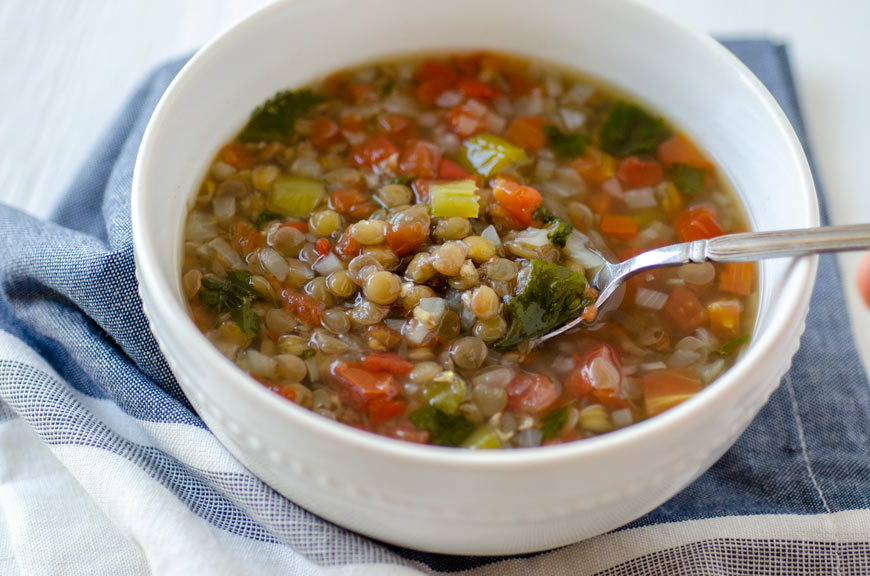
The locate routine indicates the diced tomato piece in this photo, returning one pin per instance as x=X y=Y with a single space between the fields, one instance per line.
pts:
x=519 y=201
x=351 y=125
x=474 y=88
x=597 y=369
x=373 y=151
x=527 y=132
x=347 y=248
x=678 y=150
x=335 y=83
x=323 y=246
x=433 y=79
x=467 y=119
x=382 y=410
x=725 y=318
x=362 y=386
x=246 y=238
x=450 y=170
x=531 y=393
x=618 y=226
x=387 y=362
x=594 y=166
x=599 y=202
x=421 y=186
x=236 y=156
x=325 y=133
x=736 y=278
x=685 y=310
x=306 y=308
x=351 y=202
x=420 y=158
x=634 y=172
x=398 y=128
x=697 y=223
x=663 y=389
x=361 y=93
x=519 y=84
x=404 y=430
x=404 y=238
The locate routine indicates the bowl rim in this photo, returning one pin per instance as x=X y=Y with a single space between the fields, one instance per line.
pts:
x=802 y=277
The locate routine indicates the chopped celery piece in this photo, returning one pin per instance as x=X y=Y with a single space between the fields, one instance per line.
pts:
x=488 y=154
x=454 y=199
x=446 y=392
x=294 y=196
x=484 y=438
x=550 y=295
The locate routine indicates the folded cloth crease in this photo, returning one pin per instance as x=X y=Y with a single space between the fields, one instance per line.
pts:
x=106 y=469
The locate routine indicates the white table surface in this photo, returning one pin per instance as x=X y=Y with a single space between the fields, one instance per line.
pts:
x=67 y=67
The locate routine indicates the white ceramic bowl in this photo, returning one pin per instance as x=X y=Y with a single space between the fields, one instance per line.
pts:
x=440 y=499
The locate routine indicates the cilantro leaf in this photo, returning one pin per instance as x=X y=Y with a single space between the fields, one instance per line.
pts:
x=267 y=216
x=732 y=346
x=443 y=430
x=687 y=179
x=233 y=295
x=564 y=145
x=630 y=130
x=276 y=118
x=552 y=295
x=558 y=229
x=553 y=421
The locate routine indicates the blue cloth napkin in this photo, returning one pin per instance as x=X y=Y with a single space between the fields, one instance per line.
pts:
x=107 y=470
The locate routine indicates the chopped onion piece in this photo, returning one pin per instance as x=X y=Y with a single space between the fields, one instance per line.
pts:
x=690 y=343
x=307 y=167
x=612 y=187
x=274 y=263
x=415 y=332
x=650 y=366
x=491 y=234
x=681 y=358
x=603 y=375
x=226 y=253
x=573 y=119
x=651 y=299
x=398 y=104
x=699 y=274
x=326 y=265
x=224 y=208
x=258 y=364
x=622 y=417
x=579 y=93
x=640 y=198
x=430 y=311
x=201 y=227
x=712 y=370
x=495 y=123
x=449 y=99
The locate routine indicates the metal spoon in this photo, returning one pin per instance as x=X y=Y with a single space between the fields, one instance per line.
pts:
x=745 y=247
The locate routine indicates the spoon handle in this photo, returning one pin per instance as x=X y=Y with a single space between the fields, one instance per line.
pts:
x=757 y=245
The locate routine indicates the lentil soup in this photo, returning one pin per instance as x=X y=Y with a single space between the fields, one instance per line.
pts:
x=381 y=246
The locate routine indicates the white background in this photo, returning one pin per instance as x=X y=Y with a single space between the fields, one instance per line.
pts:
x=67 y=67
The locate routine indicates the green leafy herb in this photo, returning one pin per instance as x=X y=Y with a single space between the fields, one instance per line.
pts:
x=403 y=180
x=443 y=430
x=630 y=130
x=233 y=295
x=267 y=216
x=387 y=87
x=553 y=421
x=552 y=295
x=564 y=145
x=732 y=346
x=275 y=119
x=558 y=229
x=687 y=179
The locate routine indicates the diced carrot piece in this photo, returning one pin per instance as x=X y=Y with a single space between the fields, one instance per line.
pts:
x=474 y=88
x=323 y=246
x=403 y=239
x=236 y=156
x=420 y=158
x=287 y=392
x=347 y=248
x=450 y=170
x=467 y=120
x=527 y=132
x=373 y=151
x=597 y=367
x=398 y=128
x=531 y=393
x=382 y=410
x=351 y=202
x=246 y=238
x=599 y=202
x=387 y=362
x=335 y=83
x=594 y=166
x=306 y=308
x=725 y=318
x=679 y=150
x=663 y=389
x=361 y=93
x=736 y=278
x=685 y=310
x=362 y=386
x=697 y=223
x=325 y=133
x=634 y=172
x=519 y=201
x=618 y=226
